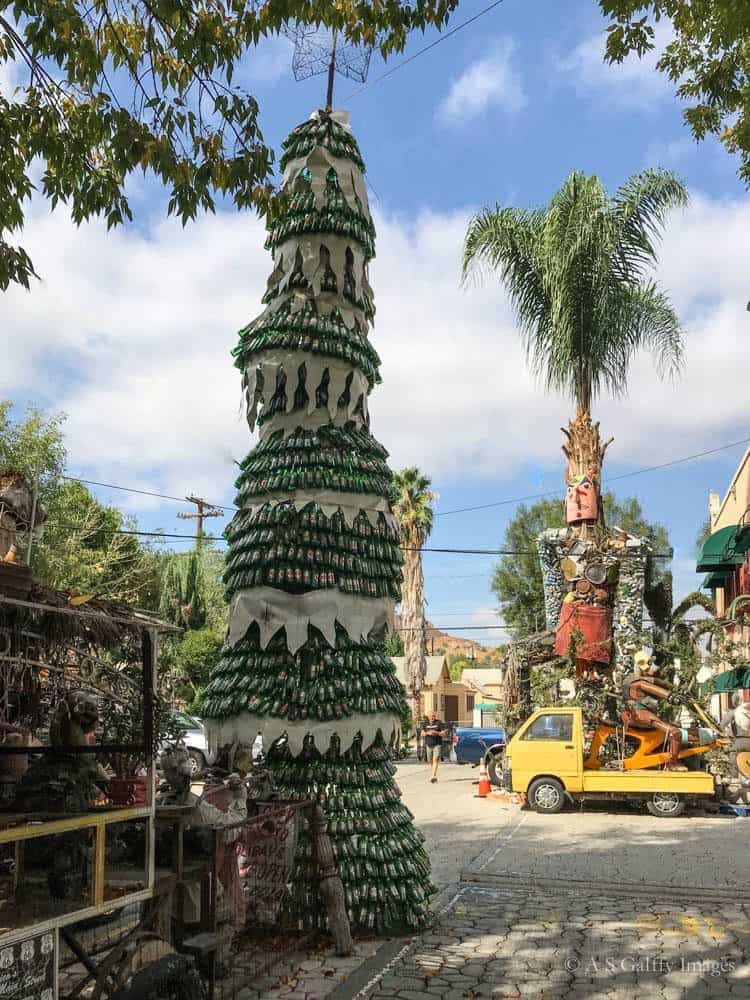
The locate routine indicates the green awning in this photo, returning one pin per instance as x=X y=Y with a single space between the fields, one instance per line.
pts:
x=487 y=706
x=732 y=680
x=724 y=549
x=713 y=580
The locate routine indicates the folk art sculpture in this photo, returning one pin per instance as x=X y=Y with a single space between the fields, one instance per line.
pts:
x=314 y=564
x=594 y=578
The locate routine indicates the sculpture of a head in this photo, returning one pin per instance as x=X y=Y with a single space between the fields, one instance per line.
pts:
x=581 y=500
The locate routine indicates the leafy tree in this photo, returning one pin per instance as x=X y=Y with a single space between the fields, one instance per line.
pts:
x=106 y=89
x=394 y=644
x=35 y=446
x=517 y=578
x=577 y=273
x=412 y=505
x=195 y=657
x=82 y=547
x=708 y=58
x=457 y=664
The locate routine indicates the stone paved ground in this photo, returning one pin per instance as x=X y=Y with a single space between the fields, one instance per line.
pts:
x=507 y=942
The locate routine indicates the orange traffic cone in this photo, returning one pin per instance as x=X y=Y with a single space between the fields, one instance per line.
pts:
x=484 y=788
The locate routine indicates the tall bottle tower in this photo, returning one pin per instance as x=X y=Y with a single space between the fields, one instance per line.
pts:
x=314 y=563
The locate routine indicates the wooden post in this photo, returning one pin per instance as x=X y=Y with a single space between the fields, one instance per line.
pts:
x=149 y=649
x=329 y=881
x=100 y=843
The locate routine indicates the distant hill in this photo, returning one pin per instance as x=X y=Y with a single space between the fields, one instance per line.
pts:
x=455 y=645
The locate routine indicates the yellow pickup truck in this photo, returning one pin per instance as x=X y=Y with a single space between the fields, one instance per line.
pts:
x=545 y=762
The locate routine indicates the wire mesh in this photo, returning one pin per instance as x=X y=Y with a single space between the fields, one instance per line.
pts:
x=313 y=48
x=265 y=909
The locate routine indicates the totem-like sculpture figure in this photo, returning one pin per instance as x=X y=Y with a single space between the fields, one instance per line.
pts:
x=593 y=578
x=314 y=564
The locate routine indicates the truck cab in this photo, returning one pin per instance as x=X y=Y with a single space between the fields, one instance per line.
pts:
x=545 y=762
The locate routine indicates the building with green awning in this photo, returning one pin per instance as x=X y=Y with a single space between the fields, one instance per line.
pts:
x=723 y=550
x=737 y=679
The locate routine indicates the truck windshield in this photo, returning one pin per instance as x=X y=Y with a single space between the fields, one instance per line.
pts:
x=551 y=727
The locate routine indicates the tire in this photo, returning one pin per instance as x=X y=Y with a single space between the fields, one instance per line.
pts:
x=546 y=795
x=197 y=762
x=494 y=762
x=666 y=805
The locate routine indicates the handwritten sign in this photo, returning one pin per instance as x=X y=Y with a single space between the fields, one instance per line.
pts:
x=28 y=968
x=256 y=867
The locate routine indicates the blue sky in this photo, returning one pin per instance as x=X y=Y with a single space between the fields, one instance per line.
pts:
x=129 y=333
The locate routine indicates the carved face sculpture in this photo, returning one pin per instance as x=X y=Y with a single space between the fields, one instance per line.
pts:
x=582 y=500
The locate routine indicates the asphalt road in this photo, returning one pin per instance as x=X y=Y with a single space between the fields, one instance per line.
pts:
x=602 y=845
x=456 y=825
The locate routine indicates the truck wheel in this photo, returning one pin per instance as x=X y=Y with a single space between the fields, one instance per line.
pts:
x=494 y=762
x=546 y=795
x=665 y=804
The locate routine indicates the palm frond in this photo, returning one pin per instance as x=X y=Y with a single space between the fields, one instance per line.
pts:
x=574 y=276
x=412 y=504
x=640 y=209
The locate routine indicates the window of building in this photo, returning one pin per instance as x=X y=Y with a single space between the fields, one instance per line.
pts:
x=551 y=727
x=469 y=702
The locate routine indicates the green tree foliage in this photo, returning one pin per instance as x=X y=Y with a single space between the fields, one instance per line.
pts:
x=195 y=656
x=517 y=578
x=107 y=89
x=34 y=446
x=394 y=644
x=578 y=276
x=191 y=596
x=708 y=58
x=457 y=664
x=82 y=548
x=412 y=505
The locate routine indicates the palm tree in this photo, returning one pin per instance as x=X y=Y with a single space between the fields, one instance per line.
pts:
x=578 y=278
x=412 y=506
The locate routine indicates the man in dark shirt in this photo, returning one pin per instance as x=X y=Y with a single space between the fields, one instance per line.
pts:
x=433 y=733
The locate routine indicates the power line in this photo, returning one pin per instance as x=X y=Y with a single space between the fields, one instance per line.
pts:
x=131 y=489
x=174 y=536
x=612 y=479
x=421 y=52
x=444 y=513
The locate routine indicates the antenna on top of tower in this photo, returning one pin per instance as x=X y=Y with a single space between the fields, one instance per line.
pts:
x=319 y=51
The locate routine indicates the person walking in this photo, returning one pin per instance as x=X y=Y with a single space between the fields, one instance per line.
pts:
x=433 y=733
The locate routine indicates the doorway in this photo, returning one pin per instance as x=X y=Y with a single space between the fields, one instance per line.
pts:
x=451 y=708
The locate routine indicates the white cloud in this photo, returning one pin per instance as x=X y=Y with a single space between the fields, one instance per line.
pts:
x=493 y=81
x=130 y=334
x=634 y=84
x=269 y=60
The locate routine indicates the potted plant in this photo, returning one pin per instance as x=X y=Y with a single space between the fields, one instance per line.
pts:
x=122 y=725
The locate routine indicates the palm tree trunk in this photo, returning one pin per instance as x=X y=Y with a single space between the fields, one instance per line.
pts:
x=413 y=621
x=584 y=450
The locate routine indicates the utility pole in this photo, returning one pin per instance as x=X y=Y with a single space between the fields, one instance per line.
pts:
x=204 y=509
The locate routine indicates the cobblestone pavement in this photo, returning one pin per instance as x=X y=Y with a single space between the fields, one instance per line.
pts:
x=496 y=942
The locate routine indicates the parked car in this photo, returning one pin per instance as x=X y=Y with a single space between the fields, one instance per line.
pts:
x=473 y=745
x=194 y=738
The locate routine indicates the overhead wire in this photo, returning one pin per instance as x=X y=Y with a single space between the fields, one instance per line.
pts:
x=444 y=513
x=611 y=479
x=410 y=59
